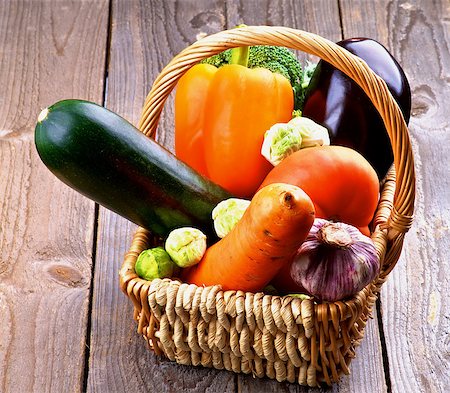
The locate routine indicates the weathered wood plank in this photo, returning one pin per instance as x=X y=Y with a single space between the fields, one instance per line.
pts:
x=144 y=37
x=49 y=50
x=415 y=302
x=316 y=16
x=320 y=17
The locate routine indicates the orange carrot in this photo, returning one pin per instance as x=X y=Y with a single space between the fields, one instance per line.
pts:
x=266 y=238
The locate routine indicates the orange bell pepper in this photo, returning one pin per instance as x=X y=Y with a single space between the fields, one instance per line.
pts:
x=221 y=116
x=190 y=105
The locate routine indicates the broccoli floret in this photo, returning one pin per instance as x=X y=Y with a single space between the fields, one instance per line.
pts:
x=278 y=68
x=300 y=90
x=276 y=59
x=218 y=60
x=308 y=73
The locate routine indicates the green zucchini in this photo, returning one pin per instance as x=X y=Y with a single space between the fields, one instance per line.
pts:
x=105 y=158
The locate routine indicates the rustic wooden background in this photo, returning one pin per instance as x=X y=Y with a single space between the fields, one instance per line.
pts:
x=64 y=324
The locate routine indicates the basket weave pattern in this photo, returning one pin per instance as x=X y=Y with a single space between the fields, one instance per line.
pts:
x=283 y=338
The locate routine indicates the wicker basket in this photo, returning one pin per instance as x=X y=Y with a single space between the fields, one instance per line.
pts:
x=283 y=338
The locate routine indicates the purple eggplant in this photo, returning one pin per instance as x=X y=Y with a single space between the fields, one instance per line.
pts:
x=339 y=104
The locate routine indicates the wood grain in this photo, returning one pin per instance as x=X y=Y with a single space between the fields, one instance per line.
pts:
x=144 y=37
x=54 y=49
x=415 y=302
x=320 y=17
x=49 y=50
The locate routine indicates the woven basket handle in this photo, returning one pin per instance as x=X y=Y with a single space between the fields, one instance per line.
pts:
x=400 y=218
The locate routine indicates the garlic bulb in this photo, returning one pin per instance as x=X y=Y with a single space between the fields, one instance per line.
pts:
x=335 y=261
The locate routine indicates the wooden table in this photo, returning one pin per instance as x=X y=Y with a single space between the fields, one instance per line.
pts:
x=64 y=324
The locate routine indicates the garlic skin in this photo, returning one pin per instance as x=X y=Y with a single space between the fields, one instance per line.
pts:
x=335 y=261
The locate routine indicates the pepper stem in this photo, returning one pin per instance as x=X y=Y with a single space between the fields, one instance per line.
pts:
x=239 y=55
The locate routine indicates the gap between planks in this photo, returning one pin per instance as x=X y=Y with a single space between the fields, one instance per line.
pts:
x=95 y=234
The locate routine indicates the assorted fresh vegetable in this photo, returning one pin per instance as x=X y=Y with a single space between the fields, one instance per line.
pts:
x=300 y=91
x=186 y=246
x=339 y=104
x=262 y=242
x=302 y=185
x=227 y=118
x=104 y=157
x=227 y=213
x=154 y=263
x=273 y=58
x=341 y=183
x=238 y=116
x=280 y=141
x=334 y=262
x=313 y=134
x=191 y=105
x=283 y=139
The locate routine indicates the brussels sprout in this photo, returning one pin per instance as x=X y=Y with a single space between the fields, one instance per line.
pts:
x=154 y=263
x=313 y=134
x=280 y=141
x=283 y=139
x=227 y=213
x=186 y=246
